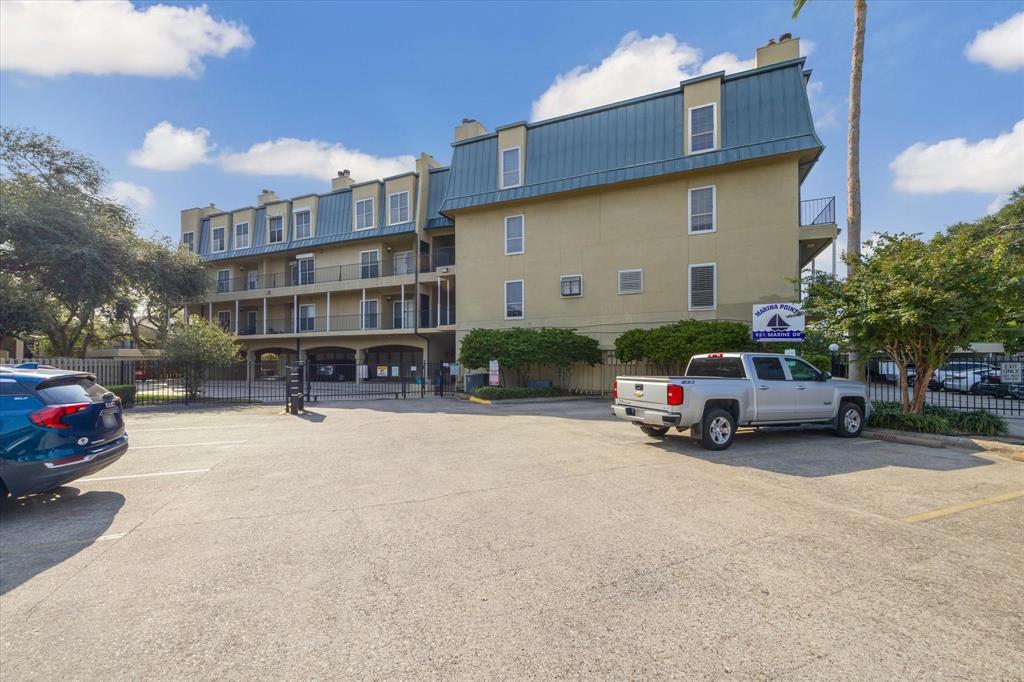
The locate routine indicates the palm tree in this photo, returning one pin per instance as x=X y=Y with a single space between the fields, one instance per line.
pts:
x=860 y=15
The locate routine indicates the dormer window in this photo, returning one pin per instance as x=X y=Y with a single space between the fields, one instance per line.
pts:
x=364 y=214
x=241 y=235
x=276 y=230
x=217 y=240
x=303 y=226
x=511 y=175
x=189 y=240
x=703 y=136
x=398 y=208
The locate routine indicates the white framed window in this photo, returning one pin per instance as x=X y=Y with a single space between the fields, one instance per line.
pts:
x=189 y=240
x=369 y=264
x=275 y=229
x=241 y=235
x=702 y=210
x=571 y=286
x=303 y=223
x=703 y=132
x=304 y=271
x=370 y=314
x=631 y=281
x=514 y=297
x=703 y=286
x=307 y=317
x=252 y=280
x=364 y=214
x=511 y=171
x=398 y=208
x=224 y=320
x=217 y=241
x=403 y=263
x=250 y=322
x=223 y=281
x=515 y=235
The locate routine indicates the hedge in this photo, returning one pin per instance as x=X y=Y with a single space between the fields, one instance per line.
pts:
x=936 y=419
x=671 y=346
x=521 y=351
x=126 y=392
x=515 y=392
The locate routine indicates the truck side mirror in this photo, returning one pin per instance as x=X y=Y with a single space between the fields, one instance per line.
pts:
x=825 y=376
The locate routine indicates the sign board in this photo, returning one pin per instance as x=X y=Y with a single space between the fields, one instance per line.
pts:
x=492 y=366
x=778 y=322
x=493 y=378
x=394 y=370
x=362 y=371
x=382 y=371
x=790 y=352
x=413 y=368
x=453 y=368
x=1011 y=372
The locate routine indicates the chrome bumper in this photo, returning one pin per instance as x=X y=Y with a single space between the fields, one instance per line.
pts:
x=638 y=415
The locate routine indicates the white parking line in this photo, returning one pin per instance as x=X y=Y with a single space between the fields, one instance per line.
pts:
x=159 y=473
x=186 y=445
x=192 y=428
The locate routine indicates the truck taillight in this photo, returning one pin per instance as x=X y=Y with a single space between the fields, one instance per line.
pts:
x=615 y=389
x=52 y=416
x=675 y=394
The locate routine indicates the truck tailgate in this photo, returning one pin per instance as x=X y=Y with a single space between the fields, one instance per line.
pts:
x=648 y=393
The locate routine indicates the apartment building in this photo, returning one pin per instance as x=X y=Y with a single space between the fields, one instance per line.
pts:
x=679 y=204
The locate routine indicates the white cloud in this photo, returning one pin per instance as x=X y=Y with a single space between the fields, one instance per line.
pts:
x=313 y=159
x=130 y=194
x=997 y=203
x=168 y=148
x=58 y=38
x=638 y=66
x=993 y=164
x=1001 y=47
x=824 y=113
x=807 y=46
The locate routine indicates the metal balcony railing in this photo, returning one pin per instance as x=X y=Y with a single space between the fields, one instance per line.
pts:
x=298 y=276
x=386 y=321
x=818 y=211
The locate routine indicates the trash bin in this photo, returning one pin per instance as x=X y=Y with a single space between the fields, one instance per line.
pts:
x=475 y=381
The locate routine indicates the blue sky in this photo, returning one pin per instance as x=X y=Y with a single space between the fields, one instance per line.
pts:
x=371 y=85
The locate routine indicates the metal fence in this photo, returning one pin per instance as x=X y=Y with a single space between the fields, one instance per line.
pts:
x=989 y=382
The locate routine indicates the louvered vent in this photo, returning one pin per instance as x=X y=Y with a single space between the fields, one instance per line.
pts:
x=702 y=286
x=631 y=281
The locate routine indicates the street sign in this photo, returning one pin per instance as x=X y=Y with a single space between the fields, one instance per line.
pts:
x=778 y=322
x=1011 y=372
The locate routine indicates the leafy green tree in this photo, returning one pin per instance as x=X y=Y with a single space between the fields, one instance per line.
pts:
x=522 y=350
x=918 y=301
x=197 y=350
x=70 y=251
x=670 y=347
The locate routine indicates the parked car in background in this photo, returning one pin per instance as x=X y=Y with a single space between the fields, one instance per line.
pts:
x=968 y=381
x=55 y=426
x=958 y=367
x=721 y=391
x=1000 y=389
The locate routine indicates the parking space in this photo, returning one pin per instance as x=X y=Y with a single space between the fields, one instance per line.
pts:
x=439 y=538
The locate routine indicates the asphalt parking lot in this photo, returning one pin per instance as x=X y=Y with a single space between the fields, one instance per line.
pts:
x=437 y=538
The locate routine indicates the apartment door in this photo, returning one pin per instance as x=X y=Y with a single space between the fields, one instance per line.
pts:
x=399 y=320
x=369 y=314
x=403 y=264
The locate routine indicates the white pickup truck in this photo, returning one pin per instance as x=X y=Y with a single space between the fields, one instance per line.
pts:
x=721 y=391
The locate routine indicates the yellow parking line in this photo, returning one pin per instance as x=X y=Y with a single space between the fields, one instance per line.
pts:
x=955 y=509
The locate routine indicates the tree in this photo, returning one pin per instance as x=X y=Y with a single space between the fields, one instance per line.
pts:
x=853 y=234
x=918 y=301
x=197 y=350
x=670 y=347
x=69 y=251
x=521 y=350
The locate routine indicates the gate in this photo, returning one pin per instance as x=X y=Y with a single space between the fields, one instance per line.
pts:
x=990 y=382
x=340 y=381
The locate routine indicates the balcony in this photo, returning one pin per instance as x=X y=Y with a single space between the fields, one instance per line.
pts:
x=817 y=227
x=369 y=322
x=366 y=270
x=818 y=211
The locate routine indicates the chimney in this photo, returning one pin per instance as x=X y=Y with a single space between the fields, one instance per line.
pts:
x=266 y=197
x=209 y=210
x=470 y=128
x=343 y=181
x=774 y=52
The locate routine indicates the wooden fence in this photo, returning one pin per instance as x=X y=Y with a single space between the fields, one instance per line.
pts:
x=108 y=371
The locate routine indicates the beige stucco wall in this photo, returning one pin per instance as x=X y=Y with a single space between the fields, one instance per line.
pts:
x=369 y=190
x=779 y=52
x=404 y=183
x=699 y=94
x=277 y=208
x=643 y=225
x=507 y=139
x=306 y=203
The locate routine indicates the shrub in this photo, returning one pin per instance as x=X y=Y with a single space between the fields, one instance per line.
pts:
x=515 y=392
x=936 y=419
x=520 y=350
x=199 y=348
x=671 y=346
x=126 y=392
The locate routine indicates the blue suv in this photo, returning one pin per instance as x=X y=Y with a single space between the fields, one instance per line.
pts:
x=55 y=426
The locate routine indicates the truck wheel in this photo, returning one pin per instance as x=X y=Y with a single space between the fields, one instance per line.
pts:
x=654 y=431
x=850 y=421
x=718 y=430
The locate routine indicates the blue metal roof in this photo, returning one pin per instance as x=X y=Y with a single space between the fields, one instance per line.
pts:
x=765 y=112
x=436 y=193
x=333 y=226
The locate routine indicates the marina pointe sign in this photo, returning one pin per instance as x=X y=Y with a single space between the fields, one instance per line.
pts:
x=778 y=322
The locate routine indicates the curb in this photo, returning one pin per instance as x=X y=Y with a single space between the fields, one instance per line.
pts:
x=528 y=401
x=1011 y=450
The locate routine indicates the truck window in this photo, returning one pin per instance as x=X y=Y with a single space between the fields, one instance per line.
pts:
x=769 y=369
x=726 y=368
x=801 y=371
